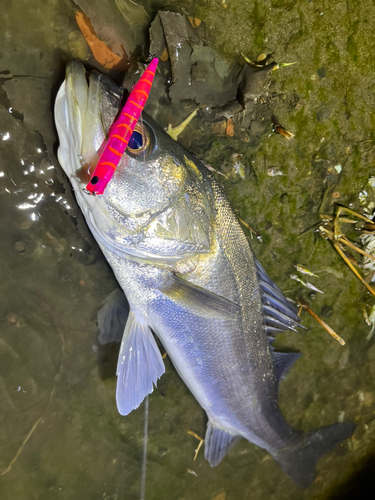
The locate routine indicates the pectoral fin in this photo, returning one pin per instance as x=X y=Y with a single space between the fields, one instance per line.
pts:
x=139 y=365
x=200 y=301
x=112 y=317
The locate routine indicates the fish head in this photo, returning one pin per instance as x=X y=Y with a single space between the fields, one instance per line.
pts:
x=153 y=172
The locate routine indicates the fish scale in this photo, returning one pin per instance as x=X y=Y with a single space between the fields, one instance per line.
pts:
x=189 y=274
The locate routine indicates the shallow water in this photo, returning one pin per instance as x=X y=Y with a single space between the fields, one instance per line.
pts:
x=61 y=435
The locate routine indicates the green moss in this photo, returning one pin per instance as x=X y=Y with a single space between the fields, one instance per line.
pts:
x=352 y=49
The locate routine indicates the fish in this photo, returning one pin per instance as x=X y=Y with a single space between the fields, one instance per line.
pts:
x=121 y=132
x=191 y=279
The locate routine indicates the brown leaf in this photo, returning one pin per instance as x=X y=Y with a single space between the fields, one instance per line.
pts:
x=102 y=53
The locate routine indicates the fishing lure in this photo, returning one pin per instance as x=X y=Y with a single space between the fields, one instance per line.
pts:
x=121 y=131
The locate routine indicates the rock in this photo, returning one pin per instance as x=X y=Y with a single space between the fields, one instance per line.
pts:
x=219 y=128
x=254 y=81
x=198 y=72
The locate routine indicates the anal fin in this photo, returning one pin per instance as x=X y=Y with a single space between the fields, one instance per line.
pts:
x=139 y=365
x=217 y=443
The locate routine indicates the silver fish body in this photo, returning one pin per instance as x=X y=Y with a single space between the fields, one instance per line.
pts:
x=190 y=276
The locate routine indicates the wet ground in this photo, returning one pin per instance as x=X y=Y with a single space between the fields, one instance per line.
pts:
x=61 y=435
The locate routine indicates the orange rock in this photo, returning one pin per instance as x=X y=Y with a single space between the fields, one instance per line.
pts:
x=102 y=53
x=230 y=128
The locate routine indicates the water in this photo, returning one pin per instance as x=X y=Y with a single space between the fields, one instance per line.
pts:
x=61 y=435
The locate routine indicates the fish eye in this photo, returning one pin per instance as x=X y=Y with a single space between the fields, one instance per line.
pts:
x=140 y=141
x=136 y=140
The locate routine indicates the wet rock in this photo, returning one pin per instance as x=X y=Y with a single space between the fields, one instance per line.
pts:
x=135 y=15
x=203 y=54
x=198 y=72
x=257 y=128
x=229 y=110
x=219 y=128
x=254 y=81
x=158 y=43
x=179 y=37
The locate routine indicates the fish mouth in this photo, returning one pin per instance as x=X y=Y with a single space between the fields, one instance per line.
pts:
x=84 y=110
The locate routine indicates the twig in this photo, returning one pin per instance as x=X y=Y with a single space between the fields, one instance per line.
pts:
x=344 y=240
x=257 y=235
x=341 y=253
x=201 y=441
x=307 y=308
x=20 y=449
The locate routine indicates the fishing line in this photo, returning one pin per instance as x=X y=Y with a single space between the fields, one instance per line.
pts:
x=145 y=431
x=144 y=458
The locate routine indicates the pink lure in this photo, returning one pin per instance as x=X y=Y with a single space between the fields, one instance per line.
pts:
x=121 y=131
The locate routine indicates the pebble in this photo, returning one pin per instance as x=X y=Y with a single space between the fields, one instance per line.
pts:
x=12 y=318
x=25 y=224
x=20 y=246
x=219 y=128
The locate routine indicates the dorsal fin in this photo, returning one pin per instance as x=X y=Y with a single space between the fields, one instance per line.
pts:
x=279 y=314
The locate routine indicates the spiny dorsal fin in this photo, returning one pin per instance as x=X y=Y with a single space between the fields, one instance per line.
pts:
x=279 y=314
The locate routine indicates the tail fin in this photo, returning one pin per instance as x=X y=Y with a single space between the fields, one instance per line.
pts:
x=299 y=462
